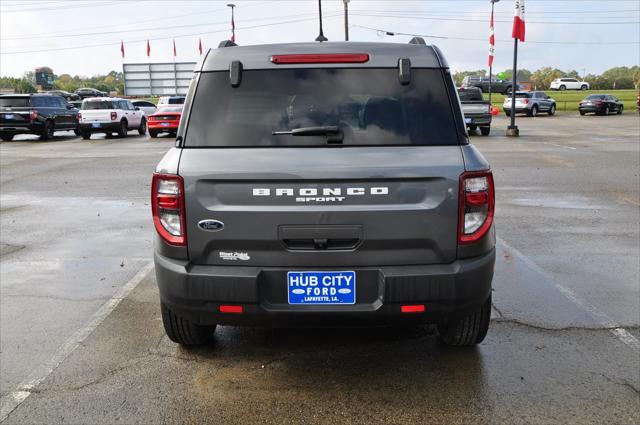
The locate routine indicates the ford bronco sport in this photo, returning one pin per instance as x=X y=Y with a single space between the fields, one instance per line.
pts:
x=323 y=184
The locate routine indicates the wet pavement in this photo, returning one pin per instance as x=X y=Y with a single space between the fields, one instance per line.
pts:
x=562 y=346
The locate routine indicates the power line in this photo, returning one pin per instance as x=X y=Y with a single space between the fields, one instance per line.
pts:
x=484 y=21
x=393 y=33
x=77 y=6
x=87 y=46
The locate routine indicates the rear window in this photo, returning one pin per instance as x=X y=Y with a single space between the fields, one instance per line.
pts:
x=470 y=95
x=369 y=106
x=99 y=104
x=596 y=97
x=524 y=95
x=14 y=102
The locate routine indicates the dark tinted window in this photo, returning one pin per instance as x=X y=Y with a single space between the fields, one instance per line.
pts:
x=13 y=102
x=43 y=101
x=369 y=105
x=595 y=97
x=176 y=100
x=469 y=95
x=143 y=103
x=523 y=95
x=98 y=104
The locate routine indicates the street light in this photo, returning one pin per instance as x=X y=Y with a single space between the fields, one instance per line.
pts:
x=346 y=19
x=320 y=36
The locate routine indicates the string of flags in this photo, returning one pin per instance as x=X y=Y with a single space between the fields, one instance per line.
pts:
x=175 y=51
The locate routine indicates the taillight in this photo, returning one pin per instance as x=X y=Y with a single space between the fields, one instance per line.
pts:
x=114 y=116
x=477 y=200
x=167 y=206
x=152 y=118
x=525 y=101
x=320 y=58
x=33 y=115
x=599 y=102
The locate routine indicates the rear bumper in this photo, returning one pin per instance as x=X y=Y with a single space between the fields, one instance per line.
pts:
x=33 y=128
x=111 y=126
x=481 y=120
x=157 y=125
x=590 y=108
x=446 y=290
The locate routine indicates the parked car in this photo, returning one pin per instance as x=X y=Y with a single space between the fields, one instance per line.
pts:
x=40 y=114
x=67 y=96
x=477 y=111
x=165 y=120
x=531 y=103
x=497 y=85
x=148 y=107
x=76 y=103
x=601 y=104
x=110 y=115
x=88 y=92
x=344 y=191
x=170 y=100
x=563 y=84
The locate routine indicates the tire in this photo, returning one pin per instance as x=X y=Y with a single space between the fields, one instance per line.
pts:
x=552 y=110
x=606 y=110
x=153 y=133
x=473 y=128
x=468 y=330
x=124 y=129
x=563 y=88
x=77 y=132
x=182 y=331
x=533 y=111
x=6 y=137
x=620 y=110
x=485 y=131
x=85 y=135
x=507 y=113
x=583 y=88
x=582 y=113
x=142 y=130
x=47 y=130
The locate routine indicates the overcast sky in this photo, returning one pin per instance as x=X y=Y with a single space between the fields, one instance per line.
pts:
x=32 y=31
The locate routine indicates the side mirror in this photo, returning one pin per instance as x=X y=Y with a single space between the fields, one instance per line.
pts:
x=69 y=106
x=137 y=108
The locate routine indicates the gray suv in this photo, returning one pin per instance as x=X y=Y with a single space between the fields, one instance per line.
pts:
x=323 y=184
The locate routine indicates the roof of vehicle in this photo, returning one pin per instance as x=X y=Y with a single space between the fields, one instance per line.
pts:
x=102 y=99
x=381 y=55
x=27 y=94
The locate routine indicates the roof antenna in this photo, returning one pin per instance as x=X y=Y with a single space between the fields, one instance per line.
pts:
x=320 y=36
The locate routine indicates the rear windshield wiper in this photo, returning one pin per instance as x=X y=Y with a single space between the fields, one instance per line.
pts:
x=333 y=133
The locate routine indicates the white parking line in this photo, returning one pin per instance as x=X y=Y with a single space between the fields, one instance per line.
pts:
x=560 y=146
x=599 y=316
x=9 y=402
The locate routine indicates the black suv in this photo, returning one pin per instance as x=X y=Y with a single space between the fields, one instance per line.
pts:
x=40 y=114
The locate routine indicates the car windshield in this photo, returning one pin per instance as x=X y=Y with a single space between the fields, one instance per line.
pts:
x=595 y=97
x=169 y=109
x=365 y=106
x=98 y=104
x=13 y=102
x=470 y=95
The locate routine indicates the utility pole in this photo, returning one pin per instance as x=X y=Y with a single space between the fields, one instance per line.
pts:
x=346 y=19
x=320 y=36
x=493 y=2
x=233 y=23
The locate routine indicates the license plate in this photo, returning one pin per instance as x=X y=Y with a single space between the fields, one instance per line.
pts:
x=321 y=287
x=95 y=124
x=467 y=120
x=165 y=124
x=8 y=116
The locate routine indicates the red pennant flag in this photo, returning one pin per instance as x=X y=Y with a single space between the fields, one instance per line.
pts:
x=200 y=45
x=122 y=48
x=148 y=49
x=174 y=48
x=492 y=42
x=518 y=21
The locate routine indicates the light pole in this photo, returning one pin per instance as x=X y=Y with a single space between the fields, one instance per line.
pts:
x=320 y=36
x=346 y=19
x=492 y=39
x=233 y=23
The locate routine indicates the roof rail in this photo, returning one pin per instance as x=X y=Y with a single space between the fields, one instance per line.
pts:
x=417 y=40
x=226 y=43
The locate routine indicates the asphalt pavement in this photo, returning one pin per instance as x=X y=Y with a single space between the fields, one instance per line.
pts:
x=82 y=338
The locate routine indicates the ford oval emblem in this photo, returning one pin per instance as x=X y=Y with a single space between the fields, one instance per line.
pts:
x=211 y=225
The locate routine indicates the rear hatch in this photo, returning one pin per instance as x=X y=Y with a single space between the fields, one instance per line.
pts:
x=96 y=111
x=472 y=102
x=374 y=182
x=14 y=110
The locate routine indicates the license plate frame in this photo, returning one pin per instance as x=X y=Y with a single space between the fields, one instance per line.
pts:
x=9 y=116
x=321 y=287
x=468 y=120
x=165 y=124
x=95 y=124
